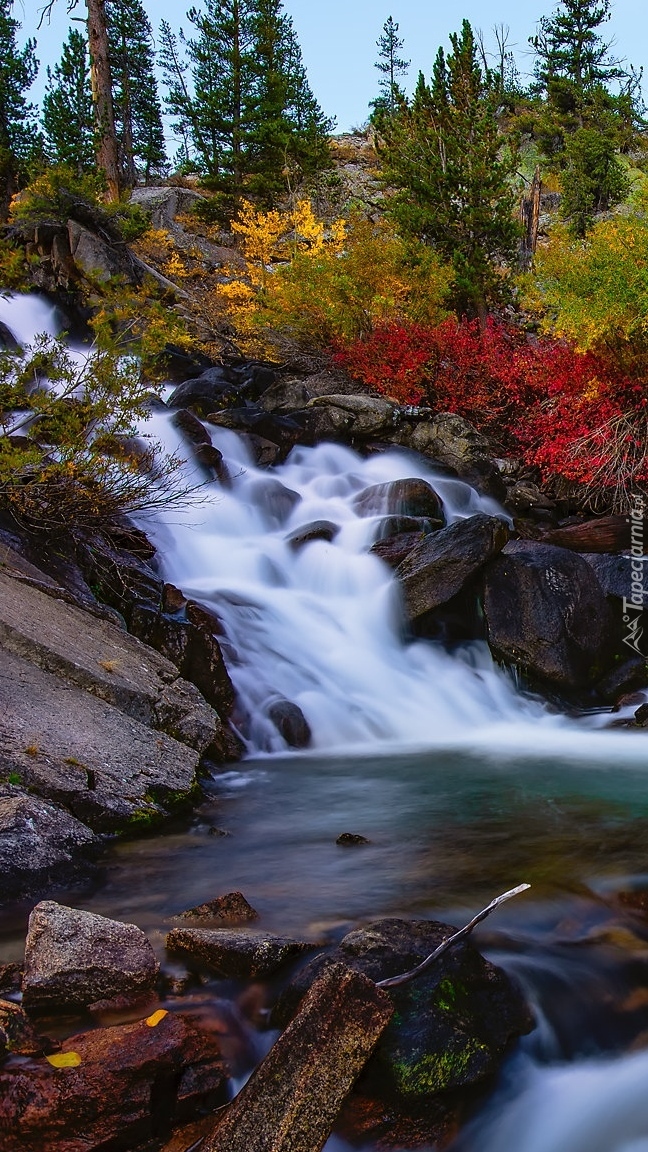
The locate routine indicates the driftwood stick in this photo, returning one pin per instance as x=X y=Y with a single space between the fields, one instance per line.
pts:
x=405 y=977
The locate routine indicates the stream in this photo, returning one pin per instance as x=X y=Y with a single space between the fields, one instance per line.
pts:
x=463 y=785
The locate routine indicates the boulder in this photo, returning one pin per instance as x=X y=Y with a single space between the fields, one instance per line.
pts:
x=18 y=1037
x=192 y=648
x=317 y=530
x=394 y=549
x=345 y=417
x=446 y=561
x=240 y=955
x=128 y=1085
x=614 y=574
x=74 y=958
x=223 y=386
x=285 y=431
x=411 y=497
x=290 y=722
x=546 y=612
x=165 y=203
x=230 y=909
x=450 y=440
x=292 y=1100
x=451 y=1025
x=40 y=843
x=94 y=257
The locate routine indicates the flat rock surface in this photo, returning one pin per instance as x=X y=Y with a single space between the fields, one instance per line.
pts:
x=77 y=750
x=237 y=954
x=74 y=958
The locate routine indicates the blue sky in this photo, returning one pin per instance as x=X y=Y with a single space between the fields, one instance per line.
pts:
x=338 y=38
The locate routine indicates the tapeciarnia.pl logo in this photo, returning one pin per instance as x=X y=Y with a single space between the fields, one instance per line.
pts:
x=633 y=605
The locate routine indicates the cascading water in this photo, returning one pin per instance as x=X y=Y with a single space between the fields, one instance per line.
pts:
x=321 y=625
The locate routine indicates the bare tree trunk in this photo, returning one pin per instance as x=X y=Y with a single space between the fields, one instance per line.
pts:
x=106 y=139
x=530 y=217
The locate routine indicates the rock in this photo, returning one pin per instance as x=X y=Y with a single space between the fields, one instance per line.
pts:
x=546 y=612
x=65 y=745
x=604 y=534
x=345 y=417
x=317 y=530
x=452 y=441
x=223 y=386
x=10 y=978
x=121 y=579
x=614 y=574
x=18 y=1037
x=133 y=1083
x=631 y=674
x=351 y=840
x=641 y=716
x=290 y=722
x=412 y=497
x=451 y=1025
x=40 y=844
x=96 y=259
x=193 y=648
x=399 y=525
x=291 y=1102
x=263 y=452
x=232 y=908
x=285 y=431
x=524 y=497
x=395 y=549
x=165 y=203
x=285 y=396
x=445 y=561
x=239 y=955
x=74 y=958
x=273 y=500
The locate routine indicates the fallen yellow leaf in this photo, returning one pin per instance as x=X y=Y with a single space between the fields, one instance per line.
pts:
x=154 y=1020
x=64 y=1060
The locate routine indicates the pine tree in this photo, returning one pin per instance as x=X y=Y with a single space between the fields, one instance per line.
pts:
x=175 y=69
x=244 y=106
x=68 y=120
x=442 y=155
x=392 y=67
x=571 y=56
x=287 y=135
x=18 y=68
x=138 y=115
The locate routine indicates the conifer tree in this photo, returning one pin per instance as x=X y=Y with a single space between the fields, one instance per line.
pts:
x=571 y=55
x=68 y=120
x=175 y=69
x=392 y=66
x=138 y=115
x=244 y=102
x=442 y=155
x=18 y=68
x=287 y=133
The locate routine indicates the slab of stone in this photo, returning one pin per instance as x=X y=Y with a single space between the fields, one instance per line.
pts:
x=65 y=745
x=74 y=958
x=39 y=843
x=292 y=1101
x=131 y=1084
x=239 y=955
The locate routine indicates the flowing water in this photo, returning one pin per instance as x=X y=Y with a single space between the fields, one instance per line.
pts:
x=463 y=786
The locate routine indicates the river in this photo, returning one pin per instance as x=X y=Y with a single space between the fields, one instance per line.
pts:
x=463 y=785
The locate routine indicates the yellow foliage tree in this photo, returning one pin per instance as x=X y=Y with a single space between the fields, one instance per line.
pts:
x=308 y=285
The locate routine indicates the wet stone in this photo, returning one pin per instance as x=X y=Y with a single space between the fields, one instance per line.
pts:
x=232 y=908
x=240 y=955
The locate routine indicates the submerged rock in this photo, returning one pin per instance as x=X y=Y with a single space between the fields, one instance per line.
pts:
x=74 y=958
x=290 y=722
x=18 y=1037
x=411 y=497
x=232 y=908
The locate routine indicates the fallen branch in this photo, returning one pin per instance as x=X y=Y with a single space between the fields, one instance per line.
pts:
x=405 y=977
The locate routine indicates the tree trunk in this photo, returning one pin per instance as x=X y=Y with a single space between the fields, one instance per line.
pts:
x=530 y=218
x=106 y=139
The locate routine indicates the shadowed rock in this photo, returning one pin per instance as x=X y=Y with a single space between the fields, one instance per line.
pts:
x=241 y=955
x=445 y=561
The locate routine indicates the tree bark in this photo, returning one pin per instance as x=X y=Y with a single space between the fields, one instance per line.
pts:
x=106 y=139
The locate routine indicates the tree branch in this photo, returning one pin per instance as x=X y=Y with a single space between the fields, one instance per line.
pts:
x=405 y=977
